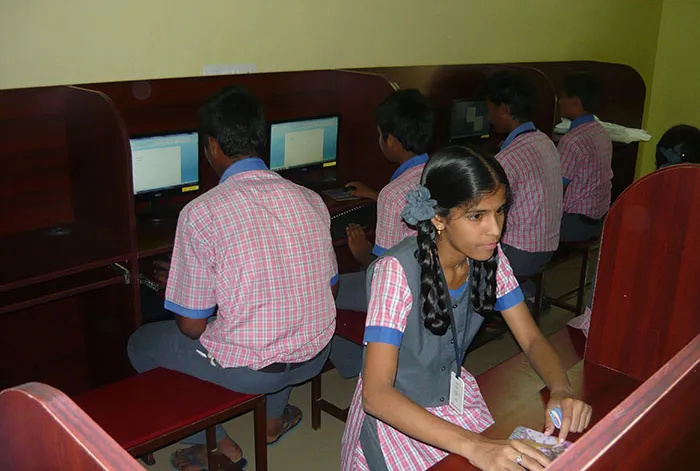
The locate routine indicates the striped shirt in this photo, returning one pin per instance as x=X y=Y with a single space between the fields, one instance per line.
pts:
x=240 y=250
x=533 y=168
x=586 y=162
x=391 y=229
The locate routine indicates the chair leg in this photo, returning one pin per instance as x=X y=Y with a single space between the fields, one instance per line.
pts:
x=316 y=391
x=539 y=293
x=260 y=426
x=212 y=447
x=582 y=282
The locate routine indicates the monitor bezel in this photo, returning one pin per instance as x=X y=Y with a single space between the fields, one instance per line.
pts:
x=303 y=168
x=149 y=195
x=451 y=137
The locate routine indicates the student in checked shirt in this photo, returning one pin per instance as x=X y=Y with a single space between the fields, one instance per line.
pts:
x=532 y=165
x=427 y=299
x=254 y=308
x=586 y=160
x=405 y=125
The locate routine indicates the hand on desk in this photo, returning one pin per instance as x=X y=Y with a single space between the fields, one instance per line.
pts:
x=361 y=190
x=360 y=247
x=576 y=414
x=161 y=270
x=510 y=455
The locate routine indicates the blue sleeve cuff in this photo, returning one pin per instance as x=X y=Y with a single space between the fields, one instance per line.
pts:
x=509 y=300
x=378 y=250
x=378 y=334
x=334 y=280
x=189 y=313
x=566 y=180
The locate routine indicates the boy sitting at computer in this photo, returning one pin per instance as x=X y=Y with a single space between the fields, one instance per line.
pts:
x=405 y=124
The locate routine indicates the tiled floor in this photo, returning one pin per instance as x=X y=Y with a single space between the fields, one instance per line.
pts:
x=307 y=450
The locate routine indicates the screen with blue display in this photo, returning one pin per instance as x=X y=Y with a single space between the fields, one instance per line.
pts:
x=164 y=162
x=298 y=144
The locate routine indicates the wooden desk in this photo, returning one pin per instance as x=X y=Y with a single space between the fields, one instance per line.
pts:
x=515 y=396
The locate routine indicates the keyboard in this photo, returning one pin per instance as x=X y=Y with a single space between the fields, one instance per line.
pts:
x=365 y=216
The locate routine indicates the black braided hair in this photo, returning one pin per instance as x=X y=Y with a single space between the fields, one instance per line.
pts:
x=456 y=177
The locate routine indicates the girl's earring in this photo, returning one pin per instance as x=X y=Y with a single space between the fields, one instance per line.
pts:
x=439 y=231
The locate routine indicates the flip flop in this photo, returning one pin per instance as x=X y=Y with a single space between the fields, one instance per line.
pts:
x=290 y=423
x=189 y=453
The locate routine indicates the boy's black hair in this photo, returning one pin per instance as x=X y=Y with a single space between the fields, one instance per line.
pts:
x=407 y=115
x=678 y=145
x=516 y=91
x=235 y=118
x=584 y=86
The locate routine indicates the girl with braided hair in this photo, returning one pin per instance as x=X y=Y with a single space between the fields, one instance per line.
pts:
x=428 y=296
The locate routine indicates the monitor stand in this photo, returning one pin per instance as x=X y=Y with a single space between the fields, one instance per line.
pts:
x=160 y=213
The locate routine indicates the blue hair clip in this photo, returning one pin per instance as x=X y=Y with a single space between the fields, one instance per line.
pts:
x=419 y=206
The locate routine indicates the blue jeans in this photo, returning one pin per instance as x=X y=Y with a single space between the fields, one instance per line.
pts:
x=162 y=344
x=352 y=294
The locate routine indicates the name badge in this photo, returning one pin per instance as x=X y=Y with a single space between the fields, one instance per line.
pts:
x=456 y=393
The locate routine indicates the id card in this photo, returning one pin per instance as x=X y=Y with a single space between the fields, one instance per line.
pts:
x=456 y=393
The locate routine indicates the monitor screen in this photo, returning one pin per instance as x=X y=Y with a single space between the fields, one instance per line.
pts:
x=165 y=162
x=469 y=119
x=303 y=143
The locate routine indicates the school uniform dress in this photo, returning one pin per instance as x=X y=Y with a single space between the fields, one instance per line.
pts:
x=533 y=168
x=586 y=161
x=390 y=230
x=425 y=363
x=241 y=253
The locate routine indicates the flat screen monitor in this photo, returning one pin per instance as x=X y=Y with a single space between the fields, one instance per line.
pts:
x=165 y=162
x=468 y=119
x=304 y=143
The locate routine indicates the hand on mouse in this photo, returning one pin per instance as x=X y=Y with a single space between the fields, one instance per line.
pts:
x=356 y=188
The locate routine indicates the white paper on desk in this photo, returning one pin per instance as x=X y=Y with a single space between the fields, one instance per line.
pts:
x=616 y=132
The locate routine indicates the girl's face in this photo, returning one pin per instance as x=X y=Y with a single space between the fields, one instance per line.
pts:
x=475 y=232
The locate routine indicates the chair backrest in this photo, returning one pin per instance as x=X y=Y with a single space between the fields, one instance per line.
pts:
x=41 y=428
x=656 y=427
x=647 y=295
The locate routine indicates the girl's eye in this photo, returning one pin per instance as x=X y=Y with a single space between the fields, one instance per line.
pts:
x=501 y=210
x=475 y=217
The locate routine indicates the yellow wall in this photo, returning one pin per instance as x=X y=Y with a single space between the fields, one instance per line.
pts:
x=48 y=42
x=675 y=96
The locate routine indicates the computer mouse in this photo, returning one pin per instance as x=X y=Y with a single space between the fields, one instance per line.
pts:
x=350 y=187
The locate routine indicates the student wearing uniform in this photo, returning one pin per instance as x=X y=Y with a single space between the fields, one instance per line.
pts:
x=254 y=308
x=679 y=145
x=586 y=160
x=405 y=123
x=532 y=165
x=428 y=296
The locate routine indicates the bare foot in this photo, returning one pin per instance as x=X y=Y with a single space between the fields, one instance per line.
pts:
x=194 y=458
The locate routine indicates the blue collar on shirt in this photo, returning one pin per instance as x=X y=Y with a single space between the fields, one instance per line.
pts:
x=245 y=165
x=523 y=128
x=588 y=118
x=412 y=162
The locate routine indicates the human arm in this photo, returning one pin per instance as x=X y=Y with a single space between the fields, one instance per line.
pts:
x=360 y=247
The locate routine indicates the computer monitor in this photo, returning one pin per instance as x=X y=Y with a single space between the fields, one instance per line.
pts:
x=165 y=163
x=304 y=143
x=468 y=119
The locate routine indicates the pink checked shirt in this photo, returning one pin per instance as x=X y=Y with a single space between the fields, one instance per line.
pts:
x=391 y=229
x=389 y=307
x=533 y=168
x=586 y=160
x=258 y=248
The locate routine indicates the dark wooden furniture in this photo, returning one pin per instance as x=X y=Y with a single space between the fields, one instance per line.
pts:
x=41 y=428
x=71 y=244
x=567 y=251
x=351 y=326
x=644 y=312
x=148 y=411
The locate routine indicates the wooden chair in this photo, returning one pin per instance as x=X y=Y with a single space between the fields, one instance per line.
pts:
x=146 y=412
x=41 y=428
x=351 y=326
x=567 y=251
x=538 y=279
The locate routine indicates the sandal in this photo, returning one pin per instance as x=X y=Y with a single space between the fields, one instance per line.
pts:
x=190 y=454
x=290 y=418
